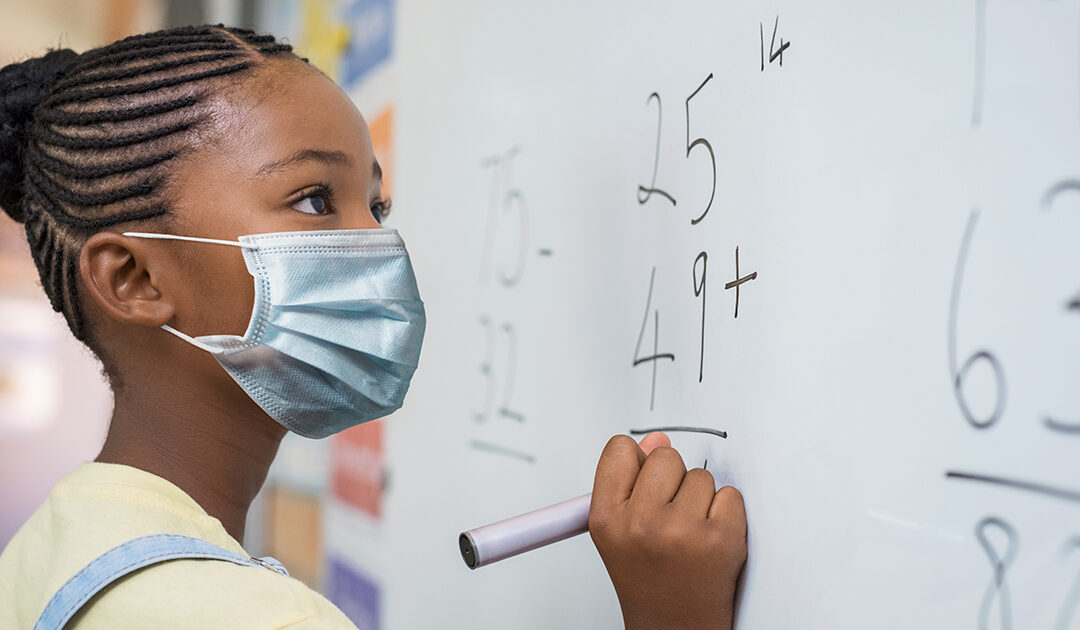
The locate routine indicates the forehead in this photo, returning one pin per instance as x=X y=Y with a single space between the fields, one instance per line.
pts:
x=281 y=109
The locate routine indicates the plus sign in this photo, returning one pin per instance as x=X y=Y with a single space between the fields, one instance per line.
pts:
x=734 y=284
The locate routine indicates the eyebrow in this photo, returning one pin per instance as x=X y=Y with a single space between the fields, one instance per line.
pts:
x=337 y=158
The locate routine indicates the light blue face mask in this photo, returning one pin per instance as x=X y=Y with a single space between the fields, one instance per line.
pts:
x=335 y=333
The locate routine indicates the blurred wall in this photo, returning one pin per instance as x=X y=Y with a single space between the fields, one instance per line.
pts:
x=54 y=404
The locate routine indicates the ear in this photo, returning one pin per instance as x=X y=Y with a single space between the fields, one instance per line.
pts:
x=116 y=271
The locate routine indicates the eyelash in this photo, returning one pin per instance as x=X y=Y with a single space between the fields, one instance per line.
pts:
x=379 y=208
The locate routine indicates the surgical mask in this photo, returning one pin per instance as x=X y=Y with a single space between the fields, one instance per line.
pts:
x=335 y=332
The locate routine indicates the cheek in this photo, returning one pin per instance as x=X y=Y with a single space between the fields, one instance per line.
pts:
x=222 y=292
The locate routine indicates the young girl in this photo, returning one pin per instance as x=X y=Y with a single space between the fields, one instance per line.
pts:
x=156 y=177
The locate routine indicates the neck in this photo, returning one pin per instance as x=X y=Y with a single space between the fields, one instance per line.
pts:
x=217 y=453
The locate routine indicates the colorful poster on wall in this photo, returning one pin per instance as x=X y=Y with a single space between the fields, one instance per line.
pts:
x=313 y=27
x=356 y=594
x=357 y=466
x=294 y=532
x=323 y=36
x=371 y=36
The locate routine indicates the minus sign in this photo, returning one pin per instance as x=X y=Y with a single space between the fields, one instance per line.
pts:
x=545 y=252
x=481 y=445
x=716 y=432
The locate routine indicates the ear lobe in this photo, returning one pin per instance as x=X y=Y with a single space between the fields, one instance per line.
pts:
x=116 y=272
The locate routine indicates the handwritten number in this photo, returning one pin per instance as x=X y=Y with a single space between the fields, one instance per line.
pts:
x=512 y=200
x=1073 y=303
x=702 y=142
x=761 y=31
x=959 y=373
x=774 y=52
x=511 y=369
x=998 y=588
x=487 y=369
x=777 y=53
x=644 y=194
x=516 y=199
x=656 y=355
x=699 y=291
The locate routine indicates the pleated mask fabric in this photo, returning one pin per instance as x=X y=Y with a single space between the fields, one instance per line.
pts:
x=335 y=332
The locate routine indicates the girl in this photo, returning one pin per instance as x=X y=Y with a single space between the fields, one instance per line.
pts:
x=155 y=177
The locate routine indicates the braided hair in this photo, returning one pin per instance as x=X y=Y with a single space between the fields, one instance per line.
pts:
x=87 y=140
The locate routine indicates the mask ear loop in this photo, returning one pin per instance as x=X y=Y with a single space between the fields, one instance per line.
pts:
x=190 y=339
x=196 y=239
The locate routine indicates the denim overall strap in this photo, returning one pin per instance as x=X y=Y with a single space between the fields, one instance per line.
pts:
x=126 y=558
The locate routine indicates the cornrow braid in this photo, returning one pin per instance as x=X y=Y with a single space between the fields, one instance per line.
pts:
x=73 y=171
x=87 y=118
x=142 y=88
x=135 y=71
x=138 y=54
x=48 y=136
x=87 y=141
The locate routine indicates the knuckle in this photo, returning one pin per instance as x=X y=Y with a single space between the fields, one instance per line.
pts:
x=723 y=541
x=641 y=529
x=729 y=502
x=702 y=476
x=717 y=536
x=667 y=457
x=672 y=534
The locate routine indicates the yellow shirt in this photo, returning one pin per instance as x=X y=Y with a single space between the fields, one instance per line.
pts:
x=102 y=505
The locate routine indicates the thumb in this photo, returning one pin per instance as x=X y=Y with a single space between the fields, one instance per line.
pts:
x=654 y=440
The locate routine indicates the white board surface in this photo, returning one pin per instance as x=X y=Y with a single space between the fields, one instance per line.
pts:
x=905 y=186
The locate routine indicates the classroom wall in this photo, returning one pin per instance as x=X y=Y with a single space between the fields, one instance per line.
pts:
x=54 y=403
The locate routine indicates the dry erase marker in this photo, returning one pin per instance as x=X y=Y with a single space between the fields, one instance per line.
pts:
x=504 y=539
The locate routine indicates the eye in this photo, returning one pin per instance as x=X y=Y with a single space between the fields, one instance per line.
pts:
x=317 y=201
x=380 y=208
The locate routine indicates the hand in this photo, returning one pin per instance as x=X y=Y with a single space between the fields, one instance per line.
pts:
x=673 y=545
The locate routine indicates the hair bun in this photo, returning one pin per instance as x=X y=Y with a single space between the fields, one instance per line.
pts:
x=23 y=86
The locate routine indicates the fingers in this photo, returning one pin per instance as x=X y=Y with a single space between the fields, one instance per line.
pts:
x=696 y=494
x=653 y=473
x=617 y=471
x=727 y=507
x=653 y=440
x=660 y=477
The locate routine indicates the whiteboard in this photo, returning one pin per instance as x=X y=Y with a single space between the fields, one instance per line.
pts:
x=899 y=387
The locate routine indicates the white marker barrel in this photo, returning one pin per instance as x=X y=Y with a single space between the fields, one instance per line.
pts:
x=504 y=539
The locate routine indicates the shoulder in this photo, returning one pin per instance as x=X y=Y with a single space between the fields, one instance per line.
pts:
x=209 y=594
x=101 y=506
